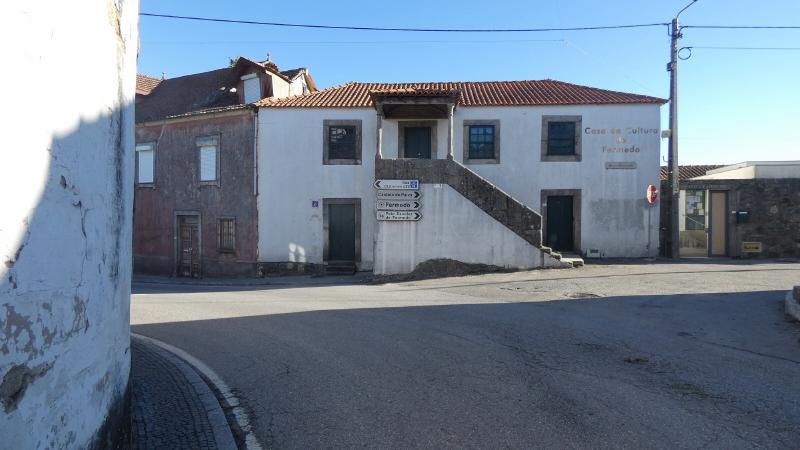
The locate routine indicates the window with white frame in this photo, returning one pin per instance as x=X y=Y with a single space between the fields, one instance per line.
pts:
x=145 y=164
x=208 y=149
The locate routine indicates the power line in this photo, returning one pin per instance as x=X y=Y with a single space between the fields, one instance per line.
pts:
x=418 y=30
x=443 y=41
x=745 y=27
x=742 y=48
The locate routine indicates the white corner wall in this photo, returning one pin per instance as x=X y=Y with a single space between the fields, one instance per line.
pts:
x=452 y=227
x=65 y=227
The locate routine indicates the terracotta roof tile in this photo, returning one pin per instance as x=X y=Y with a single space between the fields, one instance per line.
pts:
x=471 y=93
x=689 y=171
x=145 y=84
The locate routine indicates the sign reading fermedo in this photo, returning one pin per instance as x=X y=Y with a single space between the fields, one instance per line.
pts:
x=399 y=205
x=397 y=184
x=399 y=215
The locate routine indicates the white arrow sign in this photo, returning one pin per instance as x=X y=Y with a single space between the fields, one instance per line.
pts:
x=399 y=215
x=398 y=195
x=397 y=184
x=399 y=205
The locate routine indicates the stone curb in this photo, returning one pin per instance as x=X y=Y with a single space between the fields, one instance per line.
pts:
x=223 y=436
x=793 y=303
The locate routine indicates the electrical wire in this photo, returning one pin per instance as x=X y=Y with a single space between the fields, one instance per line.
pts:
x=418 y=30
x=742 y=48
x=745 y=27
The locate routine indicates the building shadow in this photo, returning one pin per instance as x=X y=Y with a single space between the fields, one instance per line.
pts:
x=612 y=372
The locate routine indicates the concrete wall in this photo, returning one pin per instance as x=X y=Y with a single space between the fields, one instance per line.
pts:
x=616 y=218
x=66 y=173
x=177 y=188
x=751 y=170
x=451 y=227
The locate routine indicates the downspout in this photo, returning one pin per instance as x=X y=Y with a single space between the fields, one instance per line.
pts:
x=255 y=177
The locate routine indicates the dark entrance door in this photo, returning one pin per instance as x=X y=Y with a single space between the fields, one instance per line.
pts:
x=560 y=223
x=189 y=246
x=417 y=142
x=342 y=232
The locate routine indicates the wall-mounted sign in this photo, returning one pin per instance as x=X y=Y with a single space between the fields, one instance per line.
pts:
x=399 y=205
x=399 y=215
x=397 y=184
x=315 y=203
x=751 y=247
x=613 y=165
x=398 y=195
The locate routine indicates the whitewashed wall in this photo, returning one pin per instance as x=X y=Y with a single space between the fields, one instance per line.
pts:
x=452 y=227
x=614 y=210
x=65 y=227
x=291 y=175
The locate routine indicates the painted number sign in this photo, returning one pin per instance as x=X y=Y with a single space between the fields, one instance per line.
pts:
x=398 y=195
x=398 y=205
x=397 y=184
x=399 y=215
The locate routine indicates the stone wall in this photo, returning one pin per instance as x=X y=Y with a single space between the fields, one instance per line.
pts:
x=774 y=215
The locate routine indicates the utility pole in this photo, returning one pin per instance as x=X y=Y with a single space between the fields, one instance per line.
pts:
x=672 y=159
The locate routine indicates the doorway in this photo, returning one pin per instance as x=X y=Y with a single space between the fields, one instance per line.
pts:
x=417 y=139
x=717 y=230
x=560 y=221
x=188 y=251
x=342 y=229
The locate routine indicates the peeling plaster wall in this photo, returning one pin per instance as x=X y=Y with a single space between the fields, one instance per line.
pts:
x=65 y=228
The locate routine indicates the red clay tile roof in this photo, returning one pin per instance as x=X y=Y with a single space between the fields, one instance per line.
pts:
x=687 y=172
x=471 y=93
x=145 y=84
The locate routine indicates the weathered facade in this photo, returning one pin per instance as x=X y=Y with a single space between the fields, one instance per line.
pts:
x=194 y=211
x=65 y=226
x=496 y=187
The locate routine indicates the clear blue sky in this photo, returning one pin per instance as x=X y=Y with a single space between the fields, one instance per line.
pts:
x=735 y=105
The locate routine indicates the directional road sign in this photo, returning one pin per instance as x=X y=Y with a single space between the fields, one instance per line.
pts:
x=399 y=215
x=399 y=205
x=397 y=184
x=398 y=195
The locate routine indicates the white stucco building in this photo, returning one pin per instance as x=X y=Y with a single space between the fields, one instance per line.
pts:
x=505 y=169
x=66 y=174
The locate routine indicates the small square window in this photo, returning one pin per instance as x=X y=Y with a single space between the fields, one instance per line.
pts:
x=561 y=138
x=481 y=142
x=342 y=142
x=145 y=164
x=226 y=235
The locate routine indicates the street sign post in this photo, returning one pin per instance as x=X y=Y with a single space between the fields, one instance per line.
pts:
x=398 y=205
x=398 y=195
x=399 y=215
x=397 y=184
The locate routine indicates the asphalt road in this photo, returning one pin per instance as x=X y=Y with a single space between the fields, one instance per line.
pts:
x=690 y=355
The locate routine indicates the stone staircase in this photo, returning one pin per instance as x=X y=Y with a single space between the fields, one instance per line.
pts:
x=513 y=214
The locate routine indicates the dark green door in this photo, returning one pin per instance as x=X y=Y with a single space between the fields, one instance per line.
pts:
x=560 y=234
x=342 y=232
x=417 y=142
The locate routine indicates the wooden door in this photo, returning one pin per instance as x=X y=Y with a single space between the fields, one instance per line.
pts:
x=417 y=142
x=342 y=232
x=189 y=246
x=718 y=224
x=560 y=223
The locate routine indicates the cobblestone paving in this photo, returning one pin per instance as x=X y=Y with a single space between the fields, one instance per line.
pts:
x=171 y=404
